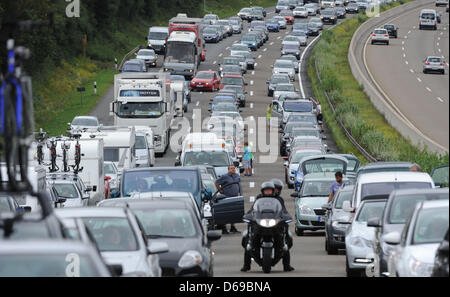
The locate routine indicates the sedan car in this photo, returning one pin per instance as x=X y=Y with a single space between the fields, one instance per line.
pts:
x=119 y=238
x=282 y=6
x=284 y=67
x=211 y=35
x=416 y=247
x=379 y=35
x=247 y=57
x=175 y=223
x=313 y=29
x=281 y=21
x=252 y=41
x=317 y=21
x=392 y=30
x=148 y=56
x=230 y=69
x=360 y=237
x=244 y=13
x=300 y=12
x=238 y=90
x=434 y=64
x=84 y=122
x=293 y=59
x=301 y=26
x=205 y=80
x=336 y=220
x=212 y=18
x=301 y=35
x=291 y=48
x=312 y=9
x=233 y=79
x=284 y=89
x=352 y=7
x=273 y=25
x=134 y=65
x=341 y=12
x=227 y=25
x=288 y=16
x=276 y=79
x=328 y=16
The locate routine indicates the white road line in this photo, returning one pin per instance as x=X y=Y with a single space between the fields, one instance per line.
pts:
x=214 y=62
x=256 y=64
x=406 y=62
x=404 y=55
x=236 y=41
x=279 y=37
x=437 y=44
x=403 y=42
x=419 y=79
x=439 y=49
x=409 y=31
x=252 y=82
x=410 y=70
x=428 y=89
x=253 y=72
x=440 y=99
x=414 y=27
x=406 y=37
x=300 y=65
x=251 y=93
x=251 y=105
x=403 y=48
x=252 y=199
x=196 y=104
x=227 y=48
x=265 y=50
x=271 y=43
x=439 y=38
x=220 y=55
x=201 y=93
x=259 y=57
x=251 y=184
x=250 y=131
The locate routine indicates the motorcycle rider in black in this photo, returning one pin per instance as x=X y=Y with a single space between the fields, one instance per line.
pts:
x=268 y=189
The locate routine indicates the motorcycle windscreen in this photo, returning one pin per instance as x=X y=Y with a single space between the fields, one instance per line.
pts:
x=324 y=164
x=228 y=210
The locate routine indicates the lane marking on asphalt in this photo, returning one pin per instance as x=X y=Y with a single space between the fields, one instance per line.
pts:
x=265 y=50
x=251 y=184
x=253 y=72
x=403 y=48
x=251 y=131
x=437 y=44
x=252 y=82
x=406 y=62
x=201 y=93
x=236 y=41
x=403 y=42
x=251 y=105
x=259 y=57
x=227 y=48
x=271 y=43
x=252 y=199
x=196 y=104
x=428 y=89
x=439 y=49
x=256 y=64
x=442 y=33
x=414 y=27
x=220 y=55
x=418 y=78
x=409 y=31
x=214 y=62
x=439 y=38
x=410 y=70
x=279 y=37
x=440 y=99
x=406 y=37
x=300 y=65
x=251 y=93
x=404 y=55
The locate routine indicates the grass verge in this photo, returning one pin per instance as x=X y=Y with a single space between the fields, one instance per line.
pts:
x=353 y=107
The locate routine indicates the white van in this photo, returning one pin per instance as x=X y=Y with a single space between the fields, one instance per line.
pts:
x=383 y=183
x=150 y=148
x=428 y=19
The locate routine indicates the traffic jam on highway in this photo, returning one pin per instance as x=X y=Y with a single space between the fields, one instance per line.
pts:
x=211 y=157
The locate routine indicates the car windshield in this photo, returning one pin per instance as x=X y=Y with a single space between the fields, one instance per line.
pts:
x=44 y=265
x=297 y=106
x=223 y=99
x=161 y=180
x=237 y=89
x=157 y=35
x=234 y=22
x=389 y=27
x=371 y=210
x=280 y=79
x=247 y=10
x=112 y=234
x=289 y=58
x=305 y=132
x=239 y=47
x=209 y=31
x=171 y=223
x=140 y=110
x=249 y=38
x=216 y=159
x=428 y=16
x=141 y=142
x=434 y=60
x=233 y=115
x=299 y=155
x=209 y=183
x=402 y=206
x=327 y=12
x=341 y=197
x=385 y=188
x=285 y=88
x=132 y=67
x=108 y=168
x=300 y=26
x=231 y=68
x=316 y=188
x=204 y=75
x=67 y=191
x=283 y=64
x=232 y=81
x=232 y=61
x=224 y=107
x=286 y=13
x=290 y=38
x=272 y=22
x=299 y=33
x=223 y=23
x=210 y=17
x=85 y=122
x=306 y=142
x=323 y=165
x=303 y=118
x=380 y=31
x=290 y=46
x=146 y=53
x=180 y=52
x=431 y=226
x=300 y=9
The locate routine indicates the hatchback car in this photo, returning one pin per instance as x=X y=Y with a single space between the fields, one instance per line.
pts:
x=352 y=7
x=328 y=15
x=434 y=64
x=293 y=59
x=379 y=35
x=84 y=122
x=273 y=25
x=276 y=79
x=284 y=67
x=233 y=79
x=205 y=80
x=148 y=56
x=291 y=48
x=281 y=21
x=392 y=30
x=300 y=12
x=134 y=65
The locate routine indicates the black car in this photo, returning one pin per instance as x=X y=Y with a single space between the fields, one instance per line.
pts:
x=336 y=220
x=352 y=7
x=440 y=268
x=176 y=223
x=341 y=12
x=211 y=35
x=134 y=65
x=328 y=15
x=392 y=30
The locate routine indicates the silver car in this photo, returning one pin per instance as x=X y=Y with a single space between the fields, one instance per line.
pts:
x=84 y=122
x=415 y=249
x=434 y=64
x=317 y=21
x=359 y=238
x=285 y=89
x=119 y=238
x=148 y=56
x=281 y=21
x=301 y=36
x=300 y=12
x=379 y=35
x=284 y=67
x=293 y=59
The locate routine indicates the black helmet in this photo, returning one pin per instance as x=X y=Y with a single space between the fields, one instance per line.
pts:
x=267 y=185
x=278 y=184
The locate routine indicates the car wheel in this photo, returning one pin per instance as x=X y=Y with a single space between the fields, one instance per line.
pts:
x=298 y=232
x=442 y=71
x=290 y=186
x=387 y=42
x=331 y=249
x=371 y=42
x=425 y=71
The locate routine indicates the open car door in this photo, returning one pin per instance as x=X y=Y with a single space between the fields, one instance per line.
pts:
x=324 y=163
x=440 y=176
x=227 y=210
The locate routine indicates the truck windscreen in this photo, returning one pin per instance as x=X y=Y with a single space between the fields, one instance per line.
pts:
x=140 y=109
x=180 y=52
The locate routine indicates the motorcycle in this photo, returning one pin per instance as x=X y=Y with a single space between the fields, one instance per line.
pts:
x=266 y=228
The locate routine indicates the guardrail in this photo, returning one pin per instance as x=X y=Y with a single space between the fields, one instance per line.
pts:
x=365 y=153
x=128 y=55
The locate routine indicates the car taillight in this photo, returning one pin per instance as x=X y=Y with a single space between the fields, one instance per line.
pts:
x=427 y=63
x=442 y=64
x=386 y=35
x=374 y=34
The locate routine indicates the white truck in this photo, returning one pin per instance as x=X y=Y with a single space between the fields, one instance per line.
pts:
x=119 y=145
x=145 y=99
x=91 y=160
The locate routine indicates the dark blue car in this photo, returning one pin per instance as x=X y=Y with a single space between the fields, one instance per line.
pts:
x=273 y=26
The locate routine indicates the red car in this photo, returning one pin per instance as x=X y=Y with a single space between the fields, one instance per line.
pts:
x=205 y=80
x=288 y=16
x=233 y=79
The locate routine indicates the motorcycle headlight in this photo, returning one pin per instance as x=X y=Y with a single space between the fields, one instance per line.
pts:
x=190 y=259
x=305 y=210
x=267 y=222
x=419 y=268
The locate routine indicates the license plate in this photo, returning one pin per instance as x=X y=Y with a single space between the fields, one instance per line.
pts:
x=319 y=218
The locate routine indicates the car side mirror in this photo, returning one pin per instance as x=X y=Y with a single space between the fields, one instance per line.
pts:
x=61 y=200
x=27 y=208
x=88 y=189
x=286 y=164
x=392 y=238
x=177 y=163
x=374 y=222
x=346 y=206
x=327 y=206
x=158 y=248
x=213 y=235
x=115 y=269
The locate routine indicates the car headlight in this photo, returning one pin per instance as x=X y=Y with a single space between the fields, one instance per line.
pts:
x=190 y=259
x=166 y=69
x=267 y=223
x=254 y=43
x=357 y=241
x=297 y=53
x=419 y=268
x=387 y=248
x=305 y=210
x=321 y=16
x=275 y=71
x=336 y=225
x=299 y=178
x=332 y=18
x=291 y=73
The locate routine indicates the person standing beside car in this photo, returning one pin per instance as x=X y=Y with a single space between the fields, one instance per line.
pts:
x=229 y=185
x=247 y=158
x=336 y=185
